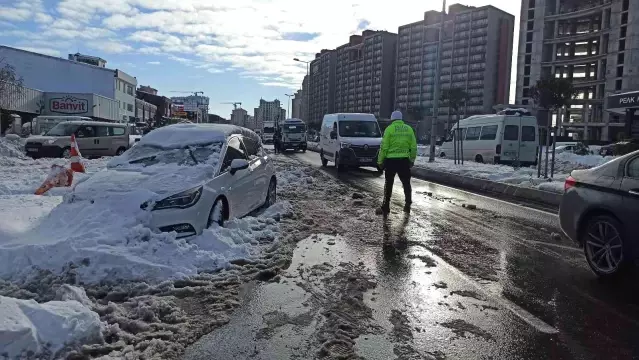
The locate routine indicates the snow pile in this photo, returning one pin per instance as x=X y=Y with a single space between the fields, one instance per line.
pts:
x=525 y=176
x=12 y=146
x=46 y=329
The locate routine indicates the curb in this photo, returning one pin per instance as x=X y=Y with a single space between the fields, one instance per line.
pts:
x=482 y=185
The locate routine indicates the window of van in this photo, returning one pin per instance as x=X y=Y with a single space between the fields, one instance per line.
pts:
x=356 y=128
x=488 y=132
x=511 y=132
x=473 y=133
x=527 y=133
x=62 y=129
x=101 y=131
x=116 y=131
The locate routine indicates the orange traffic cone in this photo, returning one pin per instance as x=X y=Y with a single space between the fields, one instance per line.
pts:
x=76 y=163
x=58 y=177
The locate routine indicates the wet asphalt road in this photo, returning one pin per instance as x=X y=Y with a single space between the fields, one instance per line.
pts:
x=495 y=282
x=511 y=255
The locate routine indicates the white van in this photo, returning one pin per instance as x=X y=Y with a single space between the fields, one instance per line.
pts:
x=350 y=140
x=44 y=123
x=499 y=139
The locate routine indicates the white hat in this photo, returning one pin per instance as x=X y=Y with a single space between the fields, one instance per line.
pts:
x=396 y=115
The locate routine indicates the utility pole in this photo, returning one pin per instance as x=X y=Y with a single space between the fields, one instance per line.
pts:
x=433 y=126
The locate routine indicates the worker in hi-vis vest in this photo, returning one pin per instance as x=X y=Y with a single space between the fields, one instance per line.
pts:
x=397 y=156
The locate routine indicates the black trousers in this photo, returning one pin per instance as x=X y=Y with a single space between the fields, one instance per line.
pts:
x=399 y=167
x=276 y=146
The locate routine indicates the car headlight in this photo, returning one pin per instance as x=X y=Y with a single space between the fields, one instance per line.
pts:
x=50 y=141
x=344 y=145
x=182 y=200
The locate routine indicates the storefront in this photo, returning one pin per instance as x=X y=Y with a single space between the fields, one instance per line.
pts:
x=626 y=105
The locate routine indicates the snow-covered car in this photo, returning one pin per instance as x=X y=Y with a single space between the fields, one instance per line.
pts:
x=187 y=177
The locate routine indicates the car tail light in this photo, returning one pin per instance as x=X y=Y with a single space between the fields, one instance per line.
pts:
x=570 y=182
x=498 y=149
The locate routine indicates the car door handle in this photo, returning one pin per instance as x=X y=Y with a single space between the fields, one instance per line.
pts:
x=633 y=192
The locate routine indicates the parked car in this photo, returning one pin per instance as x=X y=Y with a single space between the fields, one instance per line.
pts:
x=350 y=140
x=619 y=148
x=599 y=211
x=94 y=138
x=188 y=176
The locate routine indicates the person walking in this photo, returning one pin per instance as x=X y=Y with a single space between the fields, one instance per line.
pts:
x=397 y=156
x=276 y=141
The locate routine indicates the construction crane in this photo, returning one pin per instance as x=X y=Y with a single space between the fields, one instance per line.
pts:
x=235 y=104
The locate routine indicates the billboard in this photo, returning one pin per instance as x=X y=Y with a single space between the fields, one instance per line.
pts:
x=69 y=105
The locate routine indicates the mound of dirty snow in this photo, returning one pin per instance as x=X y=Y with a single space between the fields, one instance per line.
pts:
x=45 y=329
x=12 y=146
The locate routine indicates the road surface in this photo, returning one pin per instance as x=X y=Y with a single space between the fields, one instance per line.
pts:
x=451 y=282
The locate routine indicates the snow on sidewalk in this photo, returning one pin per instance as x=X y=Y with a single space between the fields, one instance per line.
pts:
x=525 y=176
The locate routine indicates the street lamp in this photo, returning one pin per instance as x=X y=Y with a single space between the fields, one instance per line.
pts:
x=288 y=105
x=308 y=97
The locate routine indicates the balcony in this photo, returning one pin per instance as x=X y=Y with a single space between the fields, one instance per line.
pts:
x=577 y=37
x=575 y=60
x=574 y=13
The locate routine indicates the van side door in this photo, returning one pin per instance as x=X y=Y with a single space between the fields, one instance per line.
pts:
x=85 y=137
x=101 y=141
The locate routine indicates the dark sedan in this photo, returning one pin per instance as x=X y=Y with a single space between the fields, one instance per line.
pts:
x=600 y=212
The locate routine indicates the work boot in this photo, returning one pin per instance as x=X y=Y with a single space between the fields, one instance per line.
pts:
x=407 y=208
x=384 y=209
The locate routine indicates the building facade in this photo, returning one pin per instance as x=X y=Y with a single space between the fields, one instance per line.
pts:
x=88 y=59
x=297 y=104
x=365 y=74
x=593 y=43
x=144 y=111
x=148 y=89
x=476 y=57
x=238 y=117
x=53 y=74
x=306 y=98
x=321 y=86
x=268 y=111
x=162 y=104
x=195 y=107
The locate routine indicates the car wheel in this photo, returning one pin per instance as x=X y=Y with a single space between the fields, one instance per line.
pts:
x=442 y=155
x=324 y=161
x=271 y=195
x=479 y=159
x=338 y=166
x=120 y=151
x=66 y=153
x=217 y=213
x=604 y=246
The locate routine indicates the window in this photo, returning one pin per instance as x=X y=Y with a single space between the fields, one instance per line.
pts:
x=531 y=4
x=86 y=131
x=622 y=45
x=528 y=48
x=129 y=89
x=633 y=168
x=618 y=84
x=473 y=133
x=622 y=33
x=116 y=131
x=529 y=36
x=527 y=133
x=488 y=132
x=528 y=59
x=526 y=81
x=101 y=131
x=526 y=92
x=620 y=71
x=253 y=149
x=129 y=107
x=624 y=18
x=624 y=7
x=531 y=14
x=234 y=150
x=530 y=25
x=511 y=132
x=620 y=58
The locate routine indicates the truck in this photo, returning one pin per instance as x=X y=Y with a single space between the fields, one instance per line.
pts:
x=268 y=132
x=292 y=134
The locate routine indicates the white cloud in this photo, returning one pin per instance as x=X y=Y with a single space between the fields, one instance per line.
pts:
x=110 y=47
x=41 y=50
x=153 y=63
x=43 y=18
x=14 y=14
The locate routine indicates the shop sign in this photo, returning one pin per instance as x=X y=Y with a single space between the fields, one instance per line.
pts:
x=68 y=105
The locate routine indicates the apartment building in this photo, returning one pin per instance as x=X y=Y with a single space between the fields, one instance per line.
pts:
x=297 y=105
x=365 y=74
x=321 y=86
x=238 y=117
x=476 y=57
x=593 y=43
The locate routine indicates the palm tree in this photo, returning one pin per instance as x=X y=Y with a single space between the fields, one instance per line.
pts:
x=454 y=98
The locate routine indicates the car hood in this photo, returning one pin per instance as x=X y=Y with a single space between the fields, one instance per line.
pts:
x=41 y=138
x=361 y=141
x=153 y=183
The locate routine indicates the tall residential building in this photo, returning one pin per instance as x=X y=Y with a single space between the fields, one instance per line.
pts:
x=238 y=117
x=476 y=57
x=305 y=102
x=321 y=86
x=296 y=105
x=269 y=111
x=365 y=73
x=594 y=44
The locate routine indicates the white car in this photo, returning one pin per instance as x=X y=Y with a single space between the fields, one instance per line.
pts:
x=187 y=177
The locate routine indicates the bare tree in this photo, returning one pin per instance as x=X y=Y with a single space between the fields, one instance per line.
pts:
x=10 y=85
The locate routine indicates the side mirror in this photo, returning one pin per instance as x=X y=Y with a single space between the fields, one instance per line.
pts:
x=237 y=165
x=333 y=135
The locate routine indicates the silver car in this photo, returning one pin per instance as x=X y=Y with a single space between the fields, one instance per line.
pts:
x=187 y=177
x=600 y=212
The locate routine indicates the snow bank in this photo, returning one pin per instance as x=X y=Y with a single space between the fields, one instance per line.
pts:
x=12 y=146
x=182 y=135
x=45 y=329
x=525 y=176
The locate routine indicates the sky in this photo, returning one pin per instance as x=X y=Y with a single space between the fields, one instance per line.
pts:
x=233 y=51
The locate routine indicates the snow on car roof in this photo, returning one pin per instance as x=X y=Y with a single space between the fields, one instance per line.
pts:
x=182 y=135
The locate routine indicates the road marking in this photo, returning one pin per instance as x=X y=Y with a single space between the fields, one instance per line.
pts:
x=517 y=310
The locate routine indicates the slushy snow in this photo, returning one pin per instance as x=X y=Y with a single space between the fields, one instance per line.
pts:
x=47 y=328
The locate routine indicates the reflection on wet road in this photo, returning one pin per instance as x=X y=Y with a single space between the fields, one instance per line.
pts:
x=497 y=281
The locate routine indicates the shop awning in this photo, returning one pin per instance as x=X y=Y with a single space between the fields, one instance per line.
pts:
x=618 y=103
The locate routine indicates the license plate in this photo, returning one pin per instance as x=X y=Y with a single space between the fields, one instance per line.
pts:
x=365 y=160
x=32 y=149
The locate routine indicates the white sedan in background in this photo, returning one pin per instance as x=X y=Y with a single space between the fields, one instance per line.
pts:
x=188 y=177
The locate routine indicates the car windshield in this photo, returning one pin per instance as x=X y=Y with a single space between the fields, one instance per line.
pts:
x=293 y=128
x=355 y=128
x=62 y=129
x=146 y=155
x=269 y=130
